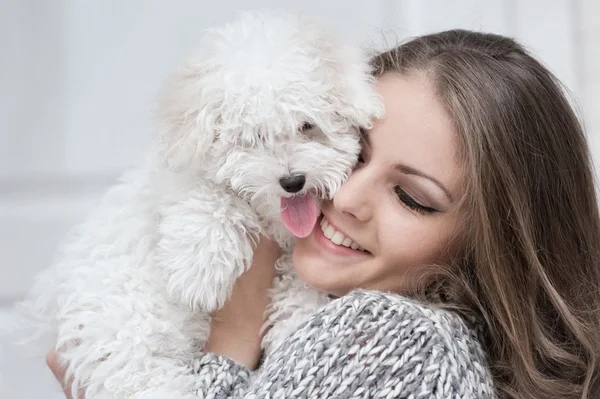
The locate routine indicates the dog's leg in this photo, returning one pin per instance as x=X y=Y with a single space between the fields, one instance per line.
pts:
x=205 y=243
x=103 y=305
x=137 y=341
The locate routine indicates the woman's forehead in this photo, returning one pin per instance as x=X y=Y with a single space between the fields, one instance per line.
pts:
x=416 y=130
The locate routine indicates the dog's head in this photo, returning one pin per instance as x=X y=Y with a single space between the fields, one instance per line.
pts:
x=272 y=107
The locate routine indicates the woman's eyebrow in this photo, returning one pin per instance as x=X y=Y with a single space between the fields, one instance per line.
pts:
x=408 y=170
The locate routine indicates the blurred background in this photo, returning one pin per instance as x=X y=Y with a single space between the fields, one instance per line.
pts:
x=78 y=81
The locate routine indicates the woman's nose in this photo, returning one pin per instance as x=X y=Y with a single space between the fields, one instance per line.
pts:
x=354 y=196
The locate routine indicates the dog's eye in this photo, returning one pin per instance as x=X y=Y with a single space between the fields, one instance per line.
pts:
x=306 y=126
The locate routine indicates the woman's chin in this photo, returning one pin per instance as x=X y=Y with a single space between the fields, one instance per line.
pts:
x=321 y=274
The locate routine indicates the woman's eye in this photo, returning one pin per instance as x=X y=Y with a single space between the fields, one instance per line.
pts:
x=411 y=203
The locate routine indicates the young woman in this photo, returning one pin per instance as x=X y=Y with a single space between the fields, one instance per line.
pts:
x=475 y=205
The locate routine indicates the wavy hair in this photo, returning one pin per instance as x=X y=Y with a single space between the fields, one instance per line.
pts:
x=530 y=265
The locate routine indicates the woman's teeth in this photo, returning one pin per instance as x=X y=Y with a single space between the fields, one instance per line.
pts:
x=338 y=238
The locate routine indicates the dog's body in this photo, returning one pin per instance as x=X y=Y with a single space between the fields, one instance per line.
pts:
x=267 y=113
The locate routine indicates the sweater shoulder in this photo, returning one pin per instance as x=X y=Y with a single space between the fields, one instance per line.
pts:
x=407 y=315
x=423 y=333
x=372 y=344
x=381 y=309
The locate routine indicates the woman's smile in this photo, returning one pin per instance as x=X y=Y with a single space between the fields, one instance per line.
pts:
x=337 y=242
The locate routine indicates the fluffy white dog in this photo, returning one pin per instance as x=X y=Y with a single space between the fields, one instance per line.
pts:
x=253 y=131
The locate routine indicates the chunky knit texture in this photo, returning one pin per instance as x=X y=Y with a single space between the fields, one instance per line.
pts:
x=364 y=345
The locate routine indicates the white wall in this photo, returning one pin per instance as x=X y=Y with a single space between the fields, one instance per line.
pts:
x=78 y=79
x=588 y=68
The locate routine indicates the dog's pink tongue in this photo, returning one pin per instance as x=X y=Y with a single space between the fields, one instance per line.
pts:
x=299 y=214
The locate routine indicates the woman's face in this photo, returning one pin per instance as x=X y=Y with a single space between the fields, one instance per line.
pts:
x=396 y=205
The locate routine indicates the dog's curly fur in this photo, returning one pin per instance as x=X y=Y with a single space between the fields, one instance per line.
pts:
x=127 y=304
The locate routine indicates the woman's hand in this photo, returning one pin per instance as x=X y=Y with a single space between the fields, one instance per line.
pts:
x=59 y=373
x=235 y=328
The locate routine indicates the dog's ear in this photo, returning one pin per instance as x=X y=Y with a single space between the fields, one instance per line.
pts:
x=361 y=103
x=189 y=114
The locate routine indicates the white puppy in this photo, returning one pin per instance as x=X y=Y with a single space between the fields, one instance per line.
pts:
x=255 y=129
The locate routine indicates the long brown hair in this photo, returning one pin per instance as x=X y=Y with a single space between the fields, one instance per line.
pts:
x=530 y=269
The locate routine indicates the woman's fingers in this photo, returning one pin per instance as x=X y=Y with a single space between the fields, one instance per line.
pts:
x=59 y=373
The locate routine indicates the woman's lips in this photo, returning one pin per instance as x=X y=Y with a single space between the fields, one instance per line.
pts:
x=336 y=249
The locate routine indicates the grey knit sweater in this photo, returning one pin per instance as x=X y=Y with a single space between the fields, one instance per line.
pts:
x=363 y=345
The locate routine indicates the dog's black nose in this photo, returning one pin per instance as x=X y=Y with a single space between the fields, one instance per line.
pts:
x=292 y=184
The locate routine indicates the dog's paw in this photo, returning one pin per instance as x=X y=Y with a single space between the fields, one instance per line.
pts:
x=202 y=275
x=203 y=287
x=205 y=243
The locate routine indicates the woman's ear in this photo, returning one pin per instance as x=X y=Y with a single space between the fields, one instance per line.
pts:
x=189 y=114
